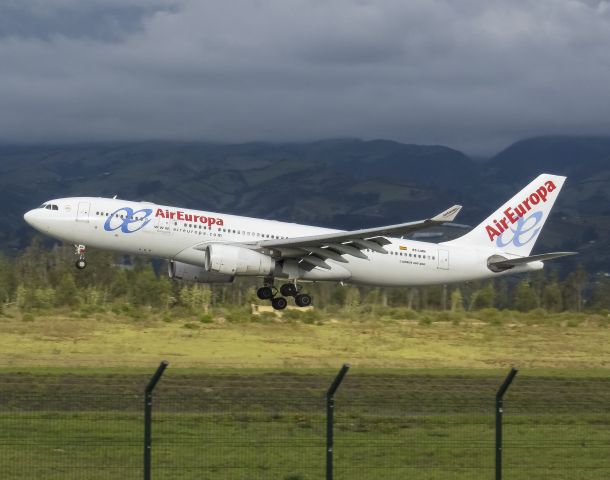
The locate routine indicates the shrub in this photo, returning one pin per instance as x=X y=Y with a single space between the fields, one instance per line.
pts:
x=237 y=315
x=206 y=318
x=491 y=316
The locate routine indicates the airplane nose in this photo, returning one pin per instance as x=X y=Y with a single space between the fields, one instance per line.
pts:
x=28 y=216
x=35 y=218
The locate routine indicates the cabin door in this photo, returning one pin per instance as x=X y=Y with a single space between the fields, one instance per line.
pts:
x=443 y=259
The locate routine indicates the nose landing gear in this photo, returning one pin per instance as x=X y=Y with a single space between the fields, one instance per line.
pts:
x=80 y=250
x=269 y=292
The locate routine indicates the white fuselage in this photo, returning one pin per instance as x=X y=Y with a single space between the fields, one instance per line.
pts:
x=141 y=228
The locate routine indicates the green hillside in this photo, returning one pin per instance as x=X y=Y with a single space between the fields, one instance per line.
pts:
x=342 y=183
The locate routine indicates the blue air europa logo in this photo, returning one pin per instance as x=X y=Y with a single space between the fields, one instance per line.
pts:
x=128 y=220
x=526 y=229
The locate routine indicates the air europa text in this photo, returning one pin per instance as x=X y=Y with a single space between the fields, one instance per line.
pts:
x=189 y=217
x=511 y=215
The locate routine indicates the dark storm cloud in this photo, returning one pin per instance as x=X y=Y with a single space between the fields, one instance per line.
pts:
x=475 y=74
x=45 y=19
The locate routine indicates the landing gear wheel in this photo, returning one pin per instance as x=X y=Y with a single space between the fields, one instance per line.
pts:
x=265 y=293
x=81 y=263
x=302 y=300
x=288 y=289
x=279 y=303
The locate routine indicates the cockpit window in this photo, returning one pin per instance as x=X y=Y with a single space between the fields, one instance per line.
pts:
x=55 y=207
x=43 y=205
x=49 y=206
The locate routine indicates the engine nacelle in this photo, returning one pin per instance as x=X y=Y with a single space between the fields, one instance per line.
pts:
x=234 y=260
x=193 y=273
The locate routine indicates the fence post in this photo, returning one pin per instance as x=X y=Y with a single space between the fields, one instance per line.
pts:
x=148 y=398
x=499 y=411
x=330 y=406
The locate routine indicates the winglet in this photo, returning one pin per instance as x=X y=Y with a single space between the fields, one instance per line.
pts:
x=448 y=215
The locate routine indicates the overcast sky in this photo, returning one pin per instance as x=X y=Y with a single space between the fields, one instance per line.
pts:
x=472 y=74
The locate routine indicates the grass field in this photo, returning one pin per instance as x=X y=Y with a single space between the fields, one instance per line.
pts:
x=271 y=425
x=432 y=340
x=245 y=400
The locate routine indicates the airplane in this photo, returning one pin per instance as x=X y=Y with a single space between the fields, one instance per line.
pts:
x=209 y=247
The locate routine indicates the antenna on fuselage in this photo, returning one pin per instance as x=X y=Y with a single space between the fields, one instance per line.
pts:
x=114 y=198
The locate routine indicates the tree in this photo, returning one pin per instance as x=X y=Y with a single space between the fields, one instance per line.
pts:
x=457 y=302
x=31 y=268
x=7 y=279
x=196 y=297
x=502 y=297
x=573 y=288
x=67 y=293
x=551 y=297
x=24 y=297
x=434 y=297
x=601 y=292
x=147 y=289
x=352 y=299
x=526 y=298
x=483 y=297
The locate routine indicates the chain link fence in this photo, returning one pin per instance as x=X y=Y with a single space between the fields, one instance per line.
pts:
x=261 y=425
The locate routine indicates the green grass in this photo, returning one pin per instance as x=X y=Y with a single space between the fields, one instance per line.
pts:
x=245 y=446
x=261 y=425
x=105 y=339
x=246 y=400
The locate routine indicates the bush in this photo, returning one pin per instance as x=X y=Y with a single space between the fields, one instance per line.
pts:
x=574 y=322
x=237 y=315
x=397 y=313
x=491 y=316
x=206 y=318
x=445 y=316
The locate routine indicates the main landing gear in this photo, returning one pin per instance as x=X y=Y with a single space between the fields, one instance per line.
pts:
x=269 y=292
x=80 y=250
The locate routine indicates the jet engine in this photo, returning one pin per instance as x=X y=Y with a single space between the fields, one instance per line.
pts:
x=193 y=273
x=234 y=260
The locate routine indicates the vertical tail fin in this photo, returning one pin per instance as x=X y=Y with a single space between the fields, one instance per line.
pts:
x=515 y=226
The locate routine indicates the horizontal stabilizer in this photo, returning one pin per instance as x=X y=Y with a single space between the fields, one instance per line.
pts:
x=505 y=264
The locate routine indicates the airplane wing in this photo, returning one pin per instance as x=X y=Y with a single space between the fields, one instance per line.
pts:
x=315 y=249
